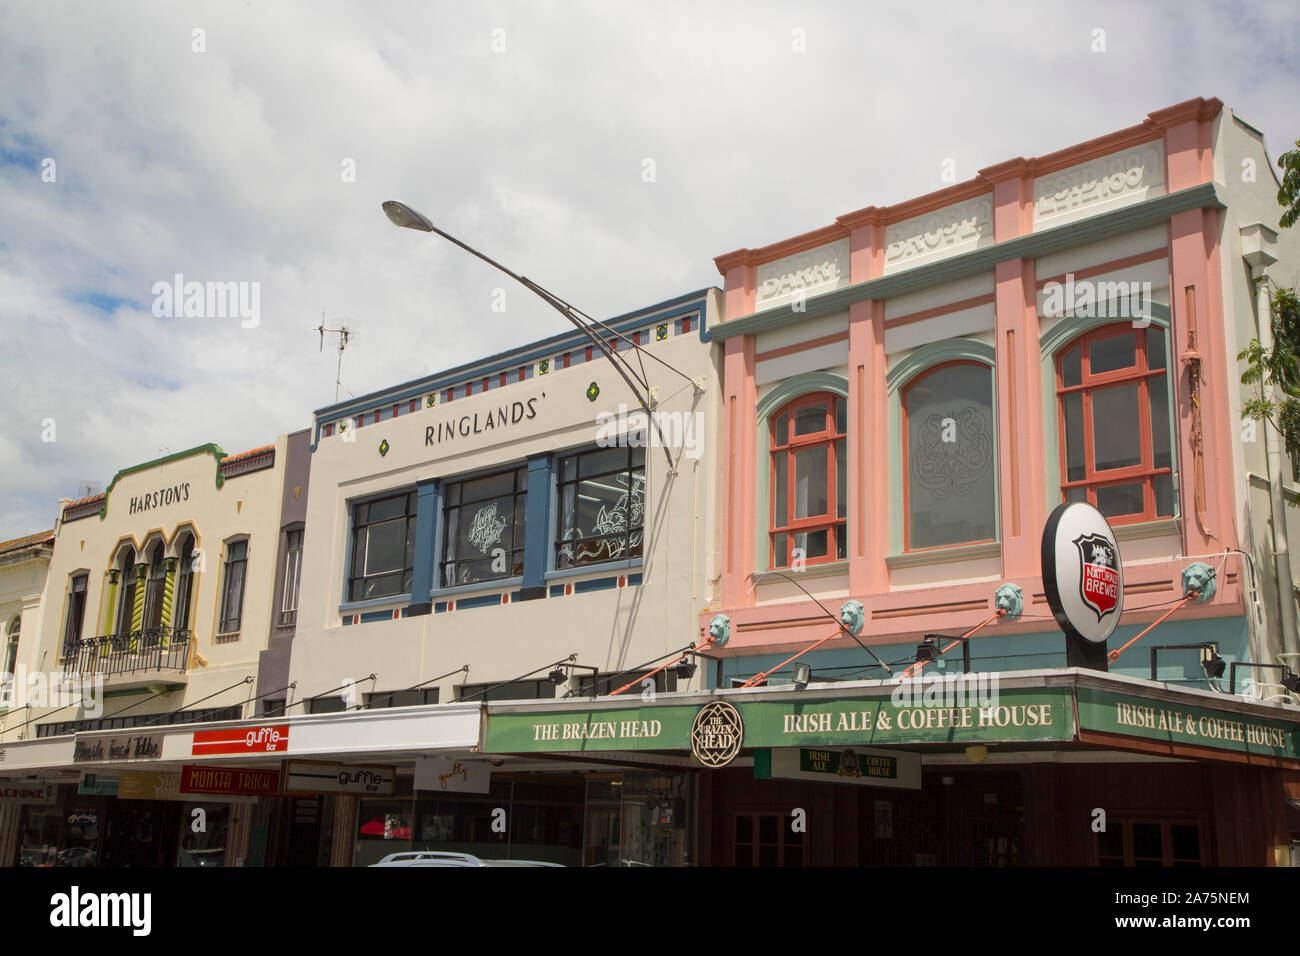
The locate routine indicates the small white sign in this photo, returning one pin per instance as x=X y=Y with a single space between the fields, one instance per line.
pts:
x=310 y=776
x=444 y=775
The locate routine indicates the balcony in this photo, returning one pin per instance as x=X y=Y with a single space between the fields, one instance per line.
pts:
x=137 y=653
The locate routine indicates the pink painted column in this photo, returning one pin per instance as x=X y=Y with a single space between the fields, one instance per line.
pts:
x=868 y=421
x=740 y=396
x=1023 y=500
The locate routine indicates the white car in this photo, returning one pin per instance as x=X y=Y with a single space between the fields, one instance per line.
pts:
x=443 y=858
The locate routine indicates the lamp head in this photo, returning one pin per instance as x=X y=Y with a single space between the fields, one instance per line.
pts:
x=400 y=214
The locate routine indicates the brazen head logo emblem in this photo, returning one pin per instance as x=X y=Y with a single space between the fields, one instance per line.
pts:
x=717 y=734
x=1098 y=573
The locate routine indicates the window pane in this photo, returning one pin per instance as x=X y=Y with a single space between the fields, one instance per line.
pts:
x=810 y=420
x=1159 y=399
x=810 y=482
x=1075 y=464
x=950 y=457
x=780 y=497
x=490 y=487
x=1118 y=500
x=811 y=543
x=1155 y=347
x=1147 y=841
x=1116 y=352
x=385 y=547
x=841 y=416
x=385 y=509
x=1164 y=495
x=841 y=541
x=1072 y=368
x=780 y=555
x=841 y=478
x=781 y=433
x=602 y=462
x=1116 y=432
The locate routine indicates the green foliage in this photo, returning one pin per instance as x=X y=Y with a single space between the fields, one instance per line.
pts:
x=1289 y=195
x=1277 y=368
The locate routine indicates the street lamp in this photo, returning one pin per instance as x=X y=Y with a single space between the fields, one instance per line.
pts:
x=400 y=214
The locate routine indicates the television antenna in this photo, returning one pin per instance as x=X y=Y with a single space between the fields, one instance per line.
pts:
x=345 y=335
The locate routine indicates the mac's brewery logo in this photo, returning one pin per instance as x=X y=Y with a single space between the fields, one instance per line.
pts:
x=1098 y=573
x=717 y=734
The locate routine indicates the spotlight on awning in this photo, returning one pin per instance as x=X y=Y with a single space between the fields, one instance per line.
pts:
x=1291 y=681
x=684 y=669
x=557 y=676
x=802 y=675
x=1214 y=665
x=927 y=650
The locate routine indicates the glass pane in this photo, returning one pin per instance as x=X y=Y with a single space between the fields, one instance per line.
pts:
x=767 y=832
x=1159 y=399
x=1186 y=839
x=810 y=482
x=811 y=543
x=1116 y=500
x=841 y=478
x=493 y=486
x=1072 y=367
x=810 y=420
x=744 y=829
x=950 y=457
x=841 y=416
x=1147 y=841
x=780 y=498
x=781 y=433
x=841 y=541
x=780 y=556
x=569 y=468
x=483 y=527
x=1116 y=432
x=387 y=508
x=1164 y=495
x=602 y=462
x=1116 y=352
x=1155 y=347
x=1075 y=465
x=385 y=547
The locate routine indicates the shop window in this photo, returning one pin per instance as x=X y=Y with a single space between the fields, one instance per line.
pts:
x=184 y=585
x=602 y=507
x=273 y=707
x=292 y=575
x=483 y=528
x=232 y=586
x=127 y=584
x=809 y=481
x=402 y=698
x=155 y=583
x=949 y=486
x=1113 y=413
x=514 y=690
x=383 y=547
x=766 y=839
x=75 y=615
x=1141 y=842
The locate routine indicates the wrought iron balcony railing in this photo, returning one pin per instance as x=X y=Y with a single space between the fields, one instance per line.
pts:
x=148 y=649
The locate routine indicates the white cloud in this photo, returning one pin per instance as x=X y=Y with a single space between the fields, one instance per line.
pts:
x=225 y=165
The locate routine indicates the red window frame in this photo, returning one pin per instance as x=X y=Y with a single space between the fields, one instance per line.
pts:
x=1140 y=374
x=782 y=450
x=907 y=484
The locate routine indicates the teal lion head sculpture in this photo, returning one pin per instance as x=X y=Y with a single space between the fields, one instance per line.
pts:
x=720 y=629
x=1010 y=600
x=852 y=616
x=1199 y=577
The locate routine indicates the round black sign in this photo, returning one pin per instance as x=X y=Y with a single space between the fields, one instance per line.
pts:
x=717 y=734
x=1083 y=576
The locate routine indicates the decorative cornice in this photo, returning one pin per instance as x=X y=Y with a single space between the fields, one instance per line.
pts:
x=1034 y=245
x=1150 y=129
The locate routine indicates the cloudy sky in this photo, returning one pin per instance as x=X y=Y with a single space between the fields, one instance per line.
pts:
x=607 y=150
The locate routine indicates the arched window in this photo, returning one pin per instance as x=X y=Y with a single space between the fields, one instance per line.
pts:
x=155 y=583
x=126 y=590
x=809 y=488
x=949 y=485
x=1112 y=387
x=184 y=584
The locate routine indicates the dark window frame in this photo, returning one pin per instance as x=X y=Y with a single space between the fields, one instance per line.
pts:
x=229 y=566
x=358 y=580
x=569 y=552
x=454 y=503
